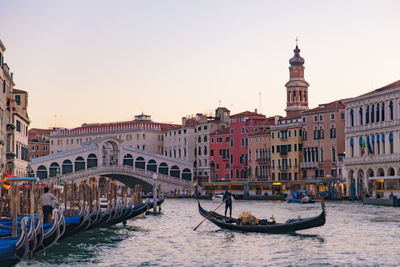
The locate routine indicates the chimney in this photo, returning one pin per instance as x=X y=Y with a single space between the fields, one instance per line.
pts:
x=255 y=110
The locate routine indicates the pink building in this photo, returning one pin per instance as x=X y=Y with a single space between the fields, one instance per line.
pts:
x=241 y=125
x=323 y=140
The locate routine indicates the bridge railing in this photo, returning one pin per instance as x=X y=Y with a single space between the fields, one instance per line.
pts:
x=118 y=169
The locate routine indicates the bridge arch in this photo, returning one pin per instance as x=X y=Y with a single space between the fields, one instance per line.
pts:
x=175 y=172
x=140 y=163
x=187 y=174
x=91 y=161
x=128 y=160
x=109 y=151
x=163 y=168
x=41 y=172
x=54 y=169
x=152 y=165
x=79 y=163
x=67 y=166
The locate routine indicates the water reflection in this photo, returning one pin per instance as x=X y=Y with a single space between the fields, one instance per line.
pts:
x=354 y=234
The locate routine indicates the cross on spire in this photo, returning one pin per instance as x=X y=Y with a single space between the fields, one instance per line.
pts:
x=296 y=40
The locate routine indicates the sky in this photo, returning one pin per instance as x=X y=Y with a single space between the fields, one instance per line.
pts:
x=103 y=61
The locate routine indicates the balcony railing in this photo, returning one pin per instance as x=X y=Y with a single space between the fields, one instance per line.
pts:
x=372 y=159
x=306 y=165
x=10 y=155
x=372 y=126
x=262 y=161
x=10 y=127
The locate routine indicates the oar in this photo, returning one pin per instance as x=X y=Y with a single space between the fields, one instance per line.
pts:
x=194 y=229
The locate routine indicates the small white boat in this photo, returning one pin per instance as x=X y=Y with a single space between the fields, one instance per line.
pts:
x=217 y=197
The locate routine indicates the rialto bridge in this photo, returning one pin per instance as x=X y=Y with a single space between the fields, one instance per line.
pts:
x=108 y=158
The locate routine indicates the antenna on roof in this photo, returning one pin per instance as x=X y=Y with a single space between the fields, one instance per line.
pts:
x=259 y=101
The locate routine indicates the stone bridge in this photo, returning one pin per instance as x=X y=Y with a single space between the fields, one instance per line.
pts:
x=106 y=157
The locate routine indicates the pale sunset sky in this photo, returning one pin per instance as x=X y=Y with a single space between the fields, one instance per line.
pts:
x=102 y=61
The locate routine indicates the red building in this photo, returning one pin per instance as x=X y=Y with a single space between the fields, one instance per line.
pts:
x=234 y=142
x=219 y=154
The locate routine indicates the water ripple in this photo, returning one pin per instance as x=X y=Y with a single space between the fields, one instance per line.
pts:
x=354 y=234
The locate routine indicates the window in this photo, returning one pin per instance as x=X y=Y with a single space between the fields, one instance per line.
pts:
x=18 y=126
x=320 y=118
x=351 y=118
x=333 y=116
x=18 y=99
x=315 y=118
x=231 y=131
x=212 y=152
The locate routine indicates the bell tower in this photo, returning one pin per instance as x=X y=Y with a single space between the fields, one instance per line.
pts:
x=296 y=87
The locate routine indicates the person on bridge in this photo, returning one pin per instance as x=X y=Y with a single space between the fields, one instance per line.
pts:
x=227 y=198
x=48 y=201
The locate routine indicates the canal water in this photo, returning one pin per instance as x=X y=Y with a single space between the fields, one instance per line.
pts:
x=354 y=234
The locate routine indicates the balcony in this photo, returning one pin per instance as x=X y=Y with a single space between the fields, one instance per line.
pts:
x=372 y=126
x=283 y=168
x=10 y=155
x=10 y=127
x=309 y=165
x=373 y=159
x=262 y=161
x=225 y=157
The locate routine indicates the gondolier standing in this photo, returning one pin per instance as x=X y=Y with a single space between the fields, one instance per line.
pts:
x=48 y=201
x=228 y=202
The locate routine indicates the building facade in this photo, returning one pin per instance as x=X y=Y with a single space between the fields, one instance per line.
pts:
x=323 y=141
x=14 y=122
x=202 y=166
x=241 y=125
x=259 y=155
x=39 y=142
x=220 y=155
x=372 y=135
x=20 y=136
x=286 y=147
x=140 y=133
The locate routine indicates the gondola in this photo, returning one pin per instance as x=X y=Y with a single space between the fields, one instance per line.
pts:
x=289 y=226
x=14 y=249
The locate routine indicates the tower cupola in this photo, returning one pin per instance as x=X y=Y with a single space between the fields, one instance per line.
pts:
x=296 y=87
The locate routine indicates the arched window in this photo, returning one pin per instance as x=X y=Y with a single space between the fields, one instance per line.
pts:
x=352 y=147
x=199 y=139
x=205 y=138
x=205 y=150
x=351 y=117
x=367 y=115
x=377 y=112
x=383 y=112
x=391 y=110
x=372 y=113
x=361 y=115
x=391 y=143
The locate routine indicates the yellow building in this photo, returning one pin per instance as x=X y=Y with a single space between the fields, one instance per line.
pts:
x=286 y=147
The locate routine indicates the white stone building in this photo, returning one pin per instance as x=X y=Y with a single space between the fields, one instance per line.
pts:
x=372 y=136
x=140 y=133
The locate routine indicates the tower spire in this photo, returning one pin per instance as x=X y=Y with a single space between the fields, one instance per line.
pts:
x=296 y=87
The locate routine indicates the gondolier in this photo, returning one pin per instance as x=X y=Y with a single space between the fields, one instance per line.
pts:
x=228 y=202
x=48 y=201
